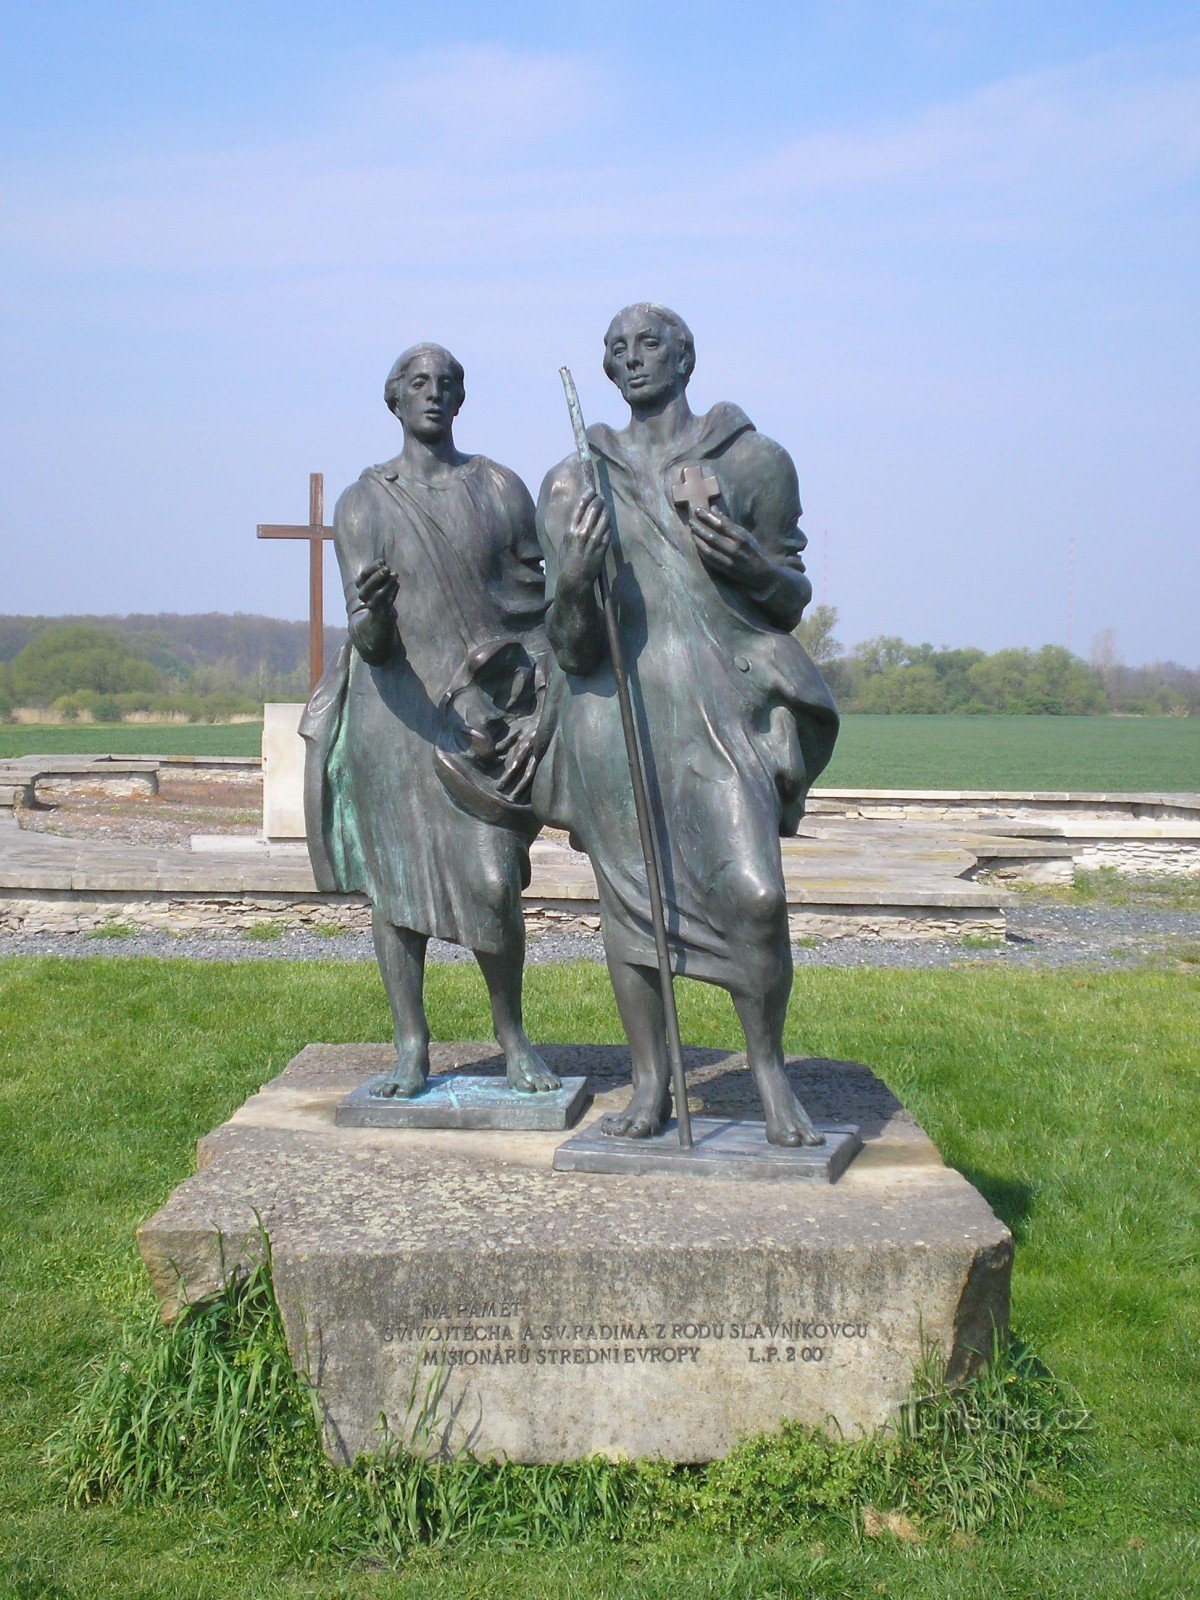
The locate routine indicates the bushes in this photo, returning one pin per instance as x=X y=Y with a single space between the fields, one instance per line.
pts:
x=889 y=675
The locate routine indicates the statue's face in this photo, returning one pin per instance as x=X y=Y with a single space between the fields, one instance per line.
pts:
x=643 y=358
x=430 y=397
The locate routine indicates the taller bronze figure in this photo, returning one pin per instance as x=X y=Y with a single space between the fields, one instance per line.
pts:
x=734 y=719
x=423 y=734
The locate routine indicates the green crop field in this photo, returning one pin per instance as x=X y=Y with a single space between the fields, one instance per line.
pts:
x=1097 y=753
x=1092 y=753
x=1070 y=1099
x=132 y=739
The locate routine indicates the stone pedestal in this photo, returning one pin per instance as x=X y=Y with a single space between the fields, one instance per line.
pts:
x=553 y=1315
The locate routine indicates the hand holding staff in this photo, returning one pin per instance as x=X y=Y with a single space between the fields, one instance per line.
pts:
x=589 y=545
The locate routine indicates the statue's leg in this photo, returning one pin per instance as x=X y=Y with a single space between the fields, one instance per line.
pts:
x=759 y=905
x=639 y=1001
x=401 y=956
x=503 y=973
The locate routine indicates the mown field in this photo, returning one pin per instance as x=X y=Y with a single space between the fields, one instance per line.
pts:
x=1069 y=1099
x=1092 y=753
x=131 y=739
x=874 y=752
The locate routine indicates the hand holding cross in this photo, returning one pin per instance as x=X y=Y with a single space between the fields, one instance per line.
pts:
x=727 y=549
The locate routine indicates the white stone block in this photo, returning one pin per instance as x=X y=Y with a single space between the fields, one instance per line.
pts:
x=283 y=771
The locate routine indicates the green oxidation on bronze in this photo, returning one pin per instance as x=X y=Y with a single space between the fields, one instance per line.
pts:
x=464 y=1100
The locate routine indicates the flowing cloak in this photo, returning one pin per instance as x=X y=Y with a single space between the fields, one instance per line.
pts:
x=734 y=719
x=379 y=819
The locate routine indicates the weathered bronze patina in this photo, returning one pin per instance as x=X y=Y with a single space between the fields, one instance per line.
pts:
x=424 y=733
x=734 y=720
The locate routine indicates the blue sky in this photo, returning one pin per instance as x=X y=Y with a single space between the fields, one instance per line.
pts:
x=945 y=252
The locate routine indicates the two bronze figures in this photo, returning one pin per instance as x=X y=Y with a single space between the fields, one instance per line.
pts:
x=625 y=646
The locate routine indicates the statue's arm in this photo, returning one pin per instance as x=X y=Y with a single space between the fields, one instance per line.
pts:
x=760 y=550
x=785 y=590
x=573 y=531
x=370 y=585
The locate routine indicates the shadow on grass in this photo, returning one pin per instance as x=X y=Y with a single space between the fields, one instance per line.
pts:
x=1011 y=1199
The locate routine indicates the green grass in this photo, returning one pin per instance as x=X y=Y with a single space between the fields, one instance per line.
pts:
x=1070 y=1099
x=1117 y=754
x=131 y=739
x=1107 y=887
x=1097 y=753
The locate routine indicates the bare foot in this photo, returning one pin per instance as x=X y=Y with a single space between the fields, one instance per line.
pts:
x=408 y=1076
x=526 y=1069
x=644 y=1116
x=787 y=1121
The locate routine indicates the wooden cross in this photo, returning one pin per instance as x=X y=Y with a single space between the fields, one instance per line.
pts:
x=694 y=490
x=315 y=531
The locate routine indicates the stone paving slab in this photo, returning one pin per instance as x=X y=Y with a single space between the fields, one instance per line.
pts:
x=836 y=862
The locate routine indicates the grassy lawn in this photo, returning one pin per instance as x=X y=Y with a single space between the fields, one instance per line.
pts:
x=131 y=739
x=1099 y=753
x=1070 y=1099
x=1096 y=753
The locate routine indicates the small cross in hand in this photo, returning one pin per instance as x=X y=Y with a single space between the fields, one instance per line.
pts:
x=693 y=491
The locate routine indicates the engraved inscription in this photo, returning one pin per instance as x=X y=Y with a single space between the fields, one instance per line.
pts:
x=498 y=1334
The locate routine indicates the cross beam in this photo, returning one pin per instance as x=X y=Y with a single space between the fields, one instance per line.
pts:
x=693 y=490
x=316 y=532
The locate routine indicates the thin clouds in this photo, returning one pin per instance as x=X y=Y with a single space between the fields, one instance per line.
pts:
x=1083 y=135
x=497 y=154
x=844 y=282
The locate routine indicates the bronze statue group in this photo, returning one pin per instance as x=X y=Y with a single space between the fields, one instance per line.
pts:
x=476 y=700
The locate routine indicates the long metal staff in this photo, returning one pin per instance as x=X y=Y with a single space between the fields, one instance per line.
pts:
x=641 y=803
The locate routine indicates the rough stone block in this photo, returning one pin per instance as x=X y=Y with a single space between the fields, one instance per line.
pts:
x=556 y=1315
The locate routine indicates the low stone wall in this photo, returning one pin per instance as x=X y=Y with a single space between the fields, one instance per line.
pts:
x=886 y=922
x=1177 y=858
x=982 y=805
x=59 y=912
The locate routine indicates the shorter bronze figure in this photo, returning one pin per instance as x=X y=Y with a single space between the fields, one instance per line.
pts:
x=423 y=736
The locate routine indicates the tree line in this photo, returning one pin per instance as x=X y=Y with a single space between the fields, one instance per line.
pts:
x=207 y=667
x=215 y=666
x=889 y=675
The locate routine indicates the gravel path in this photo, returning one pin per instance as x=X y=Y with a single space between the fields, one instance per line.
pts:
x=1041 y=933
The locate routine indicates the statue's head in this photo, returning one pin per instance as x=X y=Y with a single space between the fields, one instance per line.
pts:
x=649 y=353
x=425 y=389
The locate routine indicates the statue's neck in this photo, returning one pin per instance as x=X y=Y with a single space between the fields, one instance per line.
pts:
x=429 y=460
x=660 y=424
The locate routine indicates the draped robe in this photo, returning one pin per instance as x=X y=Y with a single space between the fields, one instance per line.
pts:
x=734 y=719
x=380 y=821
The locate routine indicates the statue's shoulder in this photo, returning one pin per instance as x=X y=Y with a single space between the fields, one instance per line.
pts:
x=561 y=487
x=509 y=487
x=756 y=452
x=357 y=504
x=763 y=466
